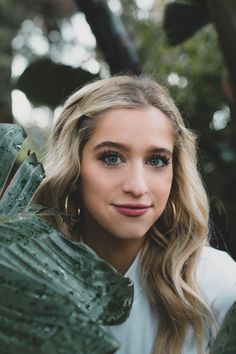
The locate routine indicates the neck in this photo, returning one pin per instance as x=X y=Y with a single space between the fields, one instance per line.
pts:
x=120 y=253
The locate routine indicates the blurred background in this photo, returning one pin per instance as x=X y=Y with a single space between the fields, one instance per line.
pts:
x=49 y=48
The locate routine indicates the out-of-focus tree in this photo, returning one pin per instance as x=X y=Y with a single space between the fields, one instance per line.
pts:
x=195 y=73
x=183 y=18
x=8 y=27
x=48 y=80
x=12 y=14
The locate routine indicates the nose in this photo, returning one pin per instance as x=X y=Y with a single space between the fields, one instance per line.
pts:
x=135 y=182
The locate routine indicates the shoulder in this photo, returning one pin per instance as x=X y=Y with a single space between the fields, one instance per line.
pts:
x=215 y=263
x=216 y=277
x=212 y=256
x=216 y=269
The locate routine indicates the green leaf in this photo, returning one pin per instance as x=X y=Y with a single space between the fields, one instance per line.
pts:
x=30 y=244
x=225 y=342
x=45 y=82
x=35 y=319
x=54 y=293
x=11 y=139
x=22 y=187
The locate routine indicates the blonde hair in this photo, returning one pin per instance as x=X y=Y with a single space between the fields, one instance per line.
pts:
x=172 y=250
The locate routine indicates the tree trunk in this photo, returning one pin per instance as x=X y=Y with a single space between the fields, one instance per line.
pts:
x=224 y=17
x=111 y=36
x=5 y=76
x=7 y=32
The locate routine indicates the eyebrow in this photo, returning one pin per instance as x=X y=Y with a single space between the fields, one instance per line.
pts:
x=123 y=147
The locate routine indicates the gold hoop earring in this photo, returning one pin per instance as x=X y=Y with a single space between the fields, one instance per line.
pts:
x=173 y=209
x=66 y=204
x=66 y=208
x=174 y=217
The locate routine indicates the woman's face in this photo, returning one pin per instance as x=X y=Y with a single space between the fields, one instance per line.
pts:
x=126 y=172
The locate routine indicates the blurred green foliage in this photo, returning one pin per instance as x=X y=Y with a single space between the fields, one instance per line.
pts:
x=196 y=76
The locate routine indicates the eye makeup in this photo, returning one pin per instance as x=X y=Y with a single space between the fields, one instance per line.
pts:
x=159 y=159
x=114 y=158
x=111 y=158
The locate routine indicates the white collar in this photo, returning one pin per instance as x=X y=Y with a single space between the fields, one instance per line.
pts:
x=133 y=273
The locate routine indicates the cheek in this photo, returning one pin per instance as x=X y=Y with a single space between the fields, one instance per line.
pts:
x=163 y=186
x=95 y=184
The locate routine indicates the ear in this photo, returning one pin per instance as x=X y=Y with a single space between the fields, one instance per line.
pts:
x=77 y=192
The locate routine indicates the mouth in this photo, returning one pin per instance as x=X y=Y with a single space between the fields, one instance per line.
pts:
x=132 y=210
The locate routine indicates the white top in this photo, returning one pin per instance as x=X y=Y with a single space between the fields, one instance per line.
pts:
x=216 y=276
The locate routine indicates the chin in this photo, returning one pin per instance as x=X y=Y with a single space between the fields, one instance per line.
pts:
x=131 y=235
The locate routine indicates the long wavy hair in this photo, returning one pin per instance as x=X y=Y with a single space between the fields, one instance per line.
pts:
x=173 y=245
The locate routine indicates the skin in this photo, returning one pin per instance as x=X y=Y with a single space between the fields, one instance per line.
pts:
x=127 y=161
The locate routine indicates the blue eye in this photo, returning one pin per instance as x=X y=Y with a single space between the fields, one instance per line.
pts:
x=111 y=158
x=158 y=161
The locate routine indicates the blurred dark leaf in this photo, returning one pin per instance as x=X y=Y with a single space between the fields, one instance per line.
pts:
x=181 y=20
x=47 y=83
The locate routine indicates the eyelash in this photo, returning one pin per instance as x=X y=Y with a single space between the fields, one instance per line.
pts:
x=109 y=153
x=106 y=154
x=165 y=159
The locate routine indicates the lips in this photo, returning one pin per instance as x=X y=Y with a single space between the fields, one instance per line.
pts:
x=132 y=209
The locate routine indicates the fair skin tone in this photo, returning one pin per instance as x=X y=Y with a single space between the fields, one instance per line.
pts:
x=126 y=177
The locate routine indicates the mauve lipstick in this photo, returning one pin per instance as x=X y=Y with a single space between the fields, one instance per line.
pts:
x=132 y=209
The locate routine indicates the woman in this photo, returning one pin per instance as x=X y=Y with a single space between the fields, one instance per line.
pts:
x=123 y=164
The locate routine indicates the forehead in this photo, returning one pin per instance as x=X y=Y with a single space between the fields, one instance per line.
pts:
x=136 y=127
